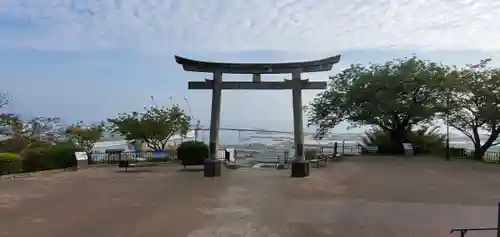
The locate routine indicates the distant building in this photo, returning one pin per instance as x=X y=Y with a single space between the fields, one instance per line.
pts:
x=102 y=146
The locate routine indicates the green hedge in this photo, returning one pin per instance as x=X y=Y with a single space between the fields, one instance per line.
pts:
x=62 y=155
x=192 y=153
x=57 y=156
x=10 y=163
x=33 y=159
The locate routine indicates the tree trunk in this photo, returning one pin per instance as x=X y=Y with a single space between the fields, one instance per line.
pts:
x=89 y=158
x=479 y=152
x=398 y=136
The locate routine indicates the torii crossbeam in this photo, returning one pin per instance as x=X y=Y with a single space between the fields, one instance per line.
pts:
x=300 y=167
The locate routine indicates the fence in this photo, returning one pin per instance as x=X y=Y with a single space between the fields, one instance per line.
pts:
x=115 y=157
x=346 y=149
x=464 y=153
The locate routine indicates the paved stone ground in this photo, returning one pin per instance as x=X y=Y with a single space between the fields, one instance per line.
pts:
x=370 y=196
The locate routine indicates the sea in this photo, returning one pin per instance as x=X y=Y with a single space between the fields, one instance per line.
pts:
x=268 y=147
x=228 y=137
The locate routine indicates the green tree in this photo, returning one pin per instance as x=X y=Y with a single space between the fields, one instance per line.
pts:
x=85 y=137
x=474 y=99
x=155 y=126
x=394 y=96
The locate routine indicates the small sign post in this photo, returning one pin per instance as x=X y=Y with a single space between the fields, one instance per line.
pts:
x=408 y=147
x=80 y=155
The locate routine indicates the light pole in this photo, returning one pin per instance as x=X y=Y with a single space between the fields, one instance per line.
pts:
x=447 y=149
x=343 y=145
x=189 y=107
x=198 y=125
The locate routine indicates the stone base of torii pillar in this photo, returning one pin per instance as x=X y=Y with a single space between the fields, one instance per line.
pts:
x=300 y=169
x=212 y=168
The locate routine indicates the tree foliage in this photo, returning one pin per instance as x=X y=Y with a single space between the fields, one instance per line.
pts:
x=394 y=96
x=84 y=137
x=155 y=126
x=474 y=104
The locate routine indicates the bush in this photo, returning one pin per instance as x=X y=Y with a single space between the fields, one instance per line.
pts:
x=35 y=159
x=192 y=153
x=58 y=156
x=10 y=163
x=424 y=140
x=62 y=156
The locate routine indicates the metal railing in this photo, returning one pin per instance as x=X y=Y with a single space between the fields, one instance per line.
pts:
x=463 y=153
x=463 y=231
x=115 y=157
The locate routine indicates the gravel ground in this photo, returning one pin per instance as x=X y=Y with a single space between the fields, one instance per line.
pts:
x=360 y=196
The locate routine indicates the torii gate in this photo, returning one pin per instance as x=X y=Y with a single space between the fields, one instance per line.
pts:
x=300 y=167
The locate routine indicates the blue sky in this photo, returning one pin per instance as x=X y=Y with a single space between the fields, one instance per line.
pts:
x=88 y=60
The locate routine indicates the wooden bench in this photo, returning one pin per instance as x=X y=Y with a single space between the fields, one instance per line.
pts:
x=319 y=161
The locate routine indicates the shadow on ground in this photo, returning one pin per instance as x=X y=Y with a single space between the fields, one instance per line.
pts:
x=135 y=171
x=196 y=169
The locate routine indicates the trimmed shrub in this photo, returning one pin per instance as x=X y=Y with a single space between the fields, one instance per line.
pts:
x=35 y=159
x=62 y=156
x=192 y=153
x=10 y=163
x=58 y=156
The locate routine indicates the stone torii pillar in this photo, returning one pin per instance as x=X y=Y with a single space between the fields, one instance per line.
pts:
x=300 y=167
x=298 y=124
x=213 y=164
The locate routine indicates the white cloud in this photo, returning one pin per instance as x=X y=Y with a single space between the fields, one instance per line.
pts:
x=218 y=25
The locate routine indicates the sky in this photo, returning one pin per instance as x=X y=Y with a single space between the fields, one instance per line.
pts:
x=87 y=60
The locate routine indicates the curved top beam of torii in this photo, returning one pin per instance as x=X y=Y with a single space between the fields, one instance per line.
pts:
x=191 y=65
